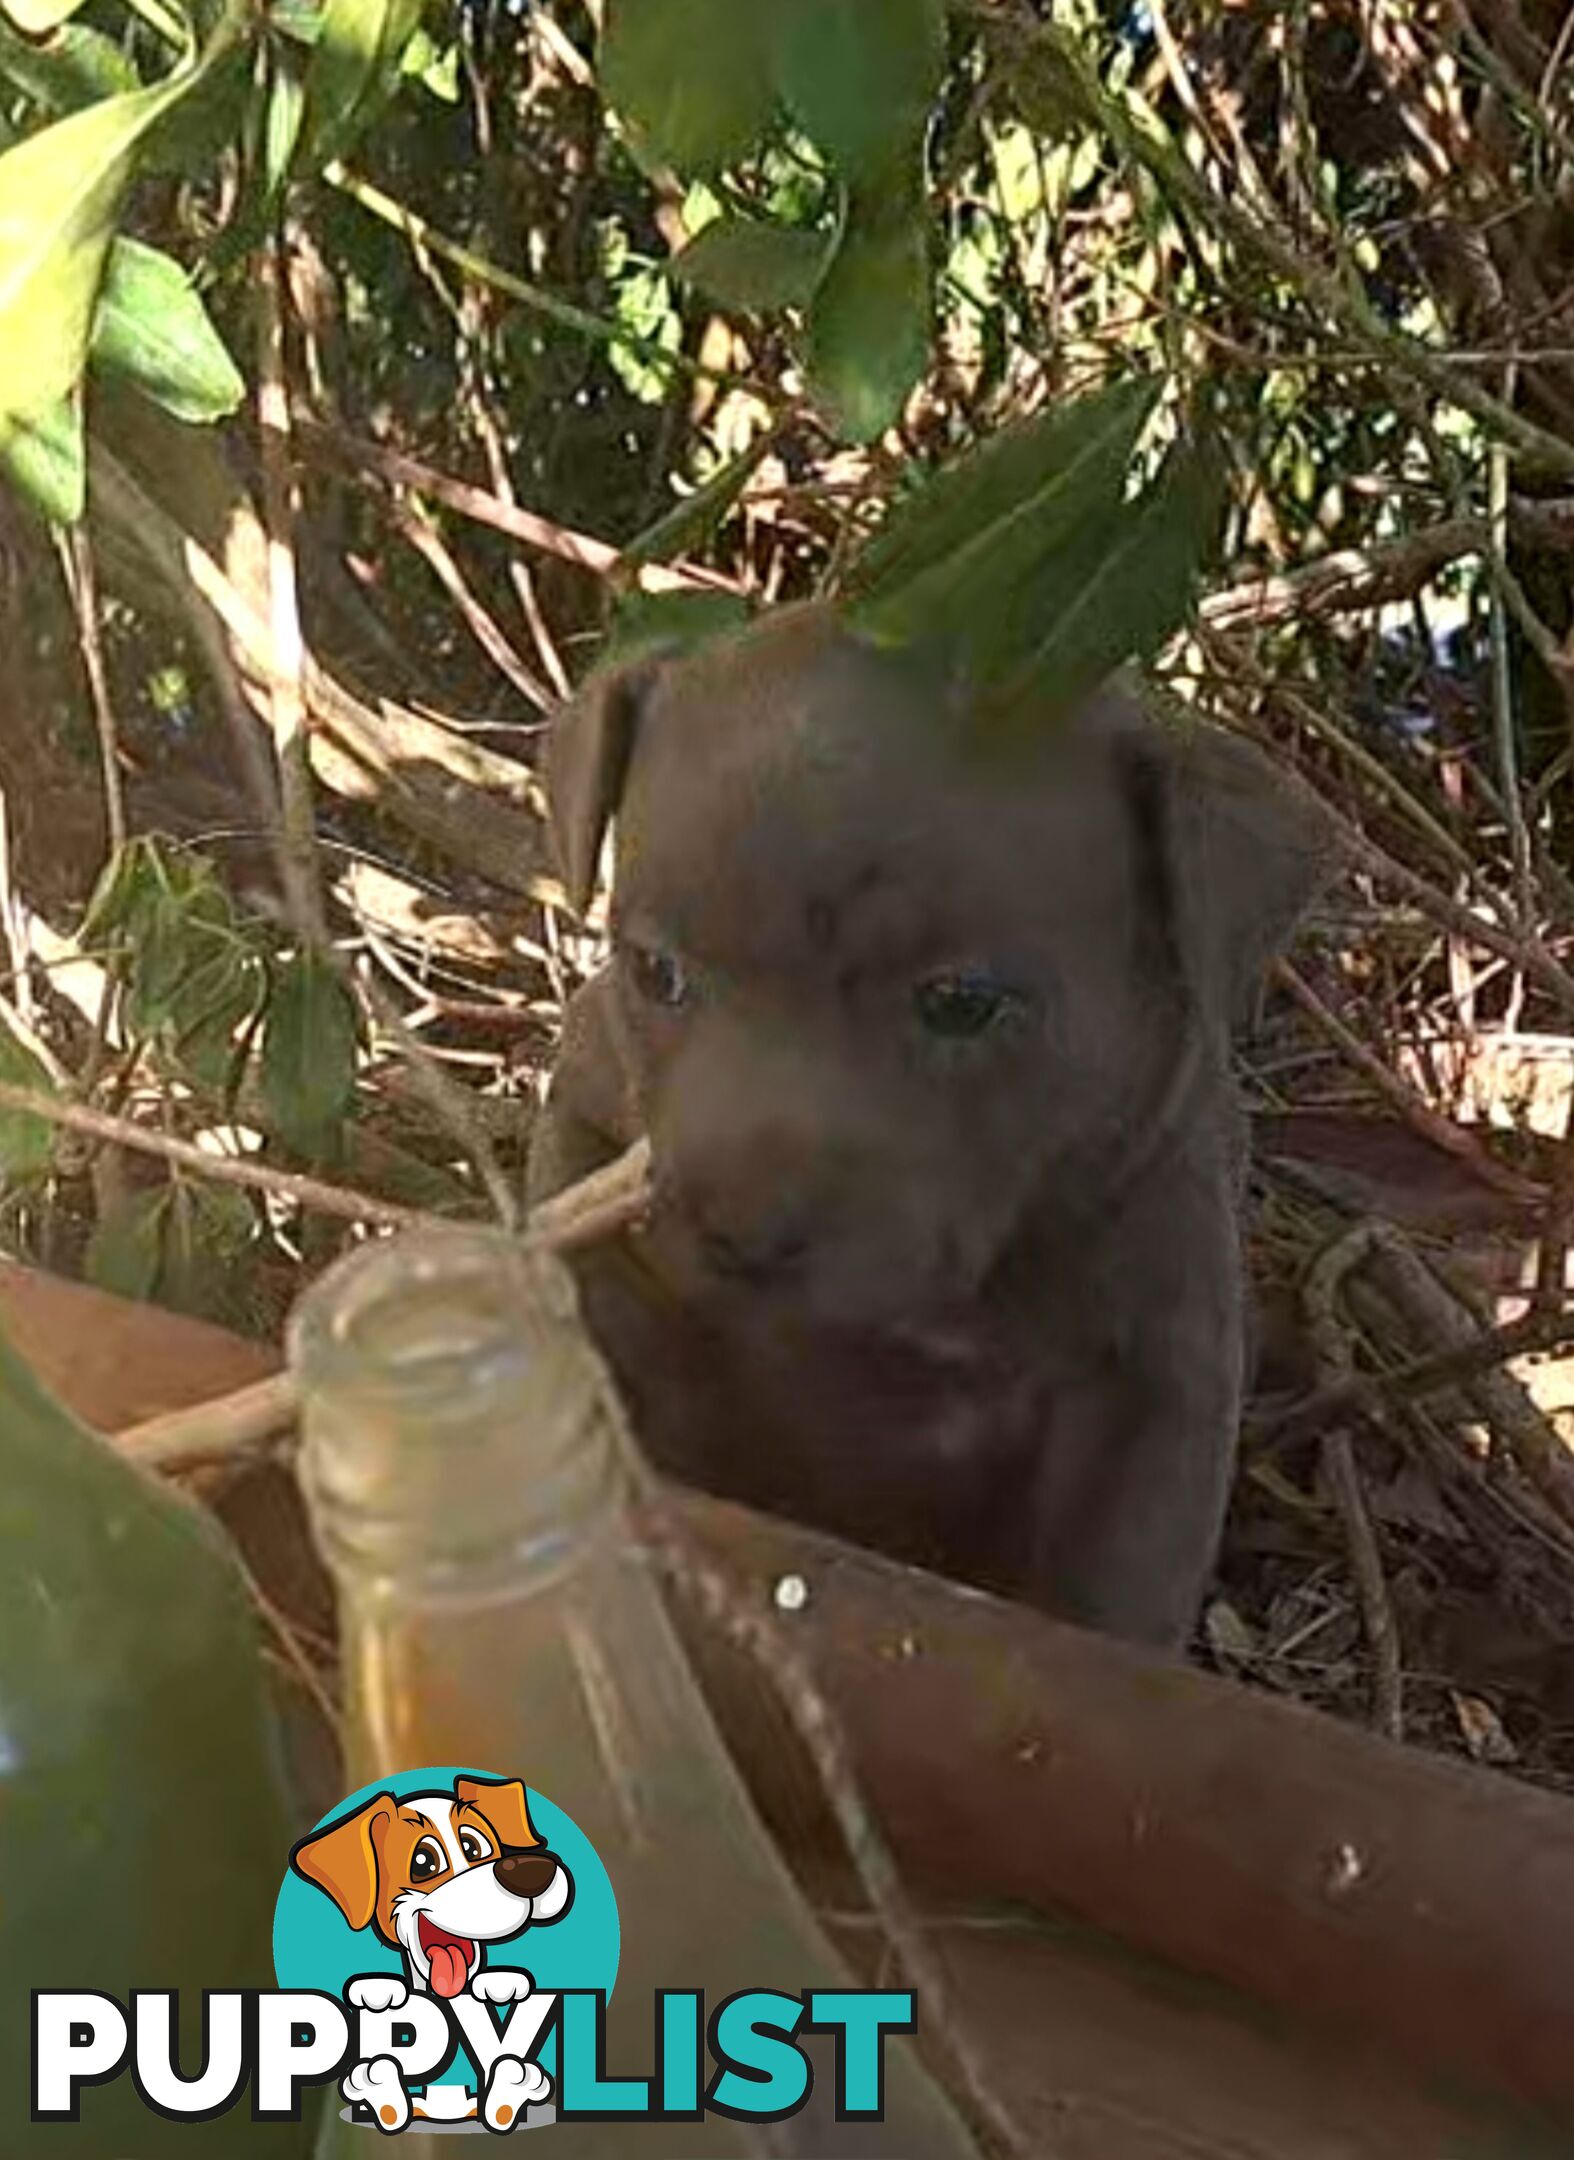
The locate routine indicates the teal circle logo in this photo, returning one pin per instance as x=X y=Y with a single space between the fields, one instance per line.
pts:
x=447 y=1890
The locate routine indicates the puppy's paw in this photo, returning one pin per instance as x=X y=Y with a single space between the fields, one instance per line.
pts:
x=378 y=2086
x=377 y=1991
x=504 y=1984
x=513 y=2087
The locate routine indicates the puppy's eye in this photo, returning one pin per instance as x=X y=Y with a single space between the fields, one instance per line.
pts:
x=660 y=977
x=956 y=1008
x=427 y=1860
x=474 y=1846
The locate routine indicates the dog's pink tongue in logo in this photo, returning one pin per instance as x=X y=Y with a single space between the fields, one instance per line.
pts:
x=449 y=1955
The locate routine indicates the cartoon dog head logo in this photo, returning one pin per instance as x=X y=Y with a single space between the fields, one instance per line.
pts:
x=439 y=1875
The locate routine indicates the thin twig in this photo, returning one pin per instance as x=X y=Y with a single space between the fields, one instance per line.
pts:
x=1442 y=1132
x=715 y=1598
x=238 y=1424
x=1331 y=1342
x=419 y=530
x=76 y=552
x=305 y=1192
x=1350 y=1393
x=541 y=534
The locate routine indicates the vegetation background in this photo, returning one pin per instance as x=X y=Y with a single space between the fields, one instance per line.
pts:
x=365 y=368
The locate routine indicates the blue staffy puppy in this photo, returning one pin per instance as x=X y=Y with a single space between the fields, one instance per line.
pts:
x=931 y=1045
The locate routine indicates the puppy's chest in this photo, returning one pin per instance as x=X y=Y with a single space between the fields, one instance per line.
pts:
x=926 y=1450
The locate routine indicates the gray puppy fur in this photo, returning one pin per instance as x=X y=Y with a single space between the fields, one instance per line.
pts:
x=931 y=1045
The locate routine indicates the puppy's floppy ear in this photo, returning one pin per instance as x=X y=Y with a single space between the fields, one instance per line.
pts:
x=1243 y=851
x=343 y=1859
x=504 y=1806
x=587 y=761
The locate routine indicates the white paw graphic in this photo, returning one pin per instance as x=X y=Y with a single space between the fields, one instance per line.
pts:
x=504 y=1984
x=377 y=2085
x=377 y=1991
x=510 y=2090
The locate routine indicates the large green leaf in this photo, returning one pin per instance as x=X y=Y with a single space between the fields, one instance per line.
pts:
x=45 y=459
x=861 y=75
x=869 y=323
x=355 y=67
x=60 y=193
x=152 y=327
x=1064 y=455
x=691 y=77
x=308 y=1057
x=1122 y=599
x=747 y=263
x=977 y=563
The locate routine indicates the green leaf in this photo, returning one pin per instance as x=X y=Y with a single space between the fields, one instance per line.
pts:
x=76 y=67
x=690 y=77
x=208 y=1229
x=976 y=565
x=152 y=327
x=1120 y=601
x=45 y=459
x=861 y=75
x=670 y=622
x=308 y=1057
x=869 y=324
x=37 y=18
x=354 y=70
x=211 y=1010
x=434 y=66
x=126 y=885
x=27 y=1143
x=60 y=193
x=126 y=1250
x=1065 y=456
x=746 y=263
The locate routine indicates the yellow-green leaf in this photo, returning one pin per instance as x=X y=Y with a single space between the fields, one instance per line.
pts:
x=45 y=459
x=152 y=327
x=60 y=193
x=355 y=66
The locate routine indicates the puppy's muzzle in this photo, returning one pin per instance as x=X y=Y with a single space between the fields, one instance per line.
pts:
x=759 y=1252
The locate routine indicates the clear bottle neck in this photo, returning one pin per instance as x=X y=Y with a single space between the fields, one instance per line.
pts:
x=460 y=1435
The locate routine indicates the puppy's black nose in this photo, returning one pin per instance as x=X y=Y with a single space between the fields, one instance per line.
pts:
x=757 y=1252
x=526 y=1873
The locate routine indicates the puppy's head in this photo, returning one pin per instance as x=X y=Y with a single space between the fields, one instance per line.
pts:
x=438 y=1875
x=876 y=992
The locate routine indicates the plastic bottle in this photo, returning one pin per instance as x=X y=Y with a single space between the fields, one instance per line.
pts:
x=465 y=1465
x=143 y=1814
